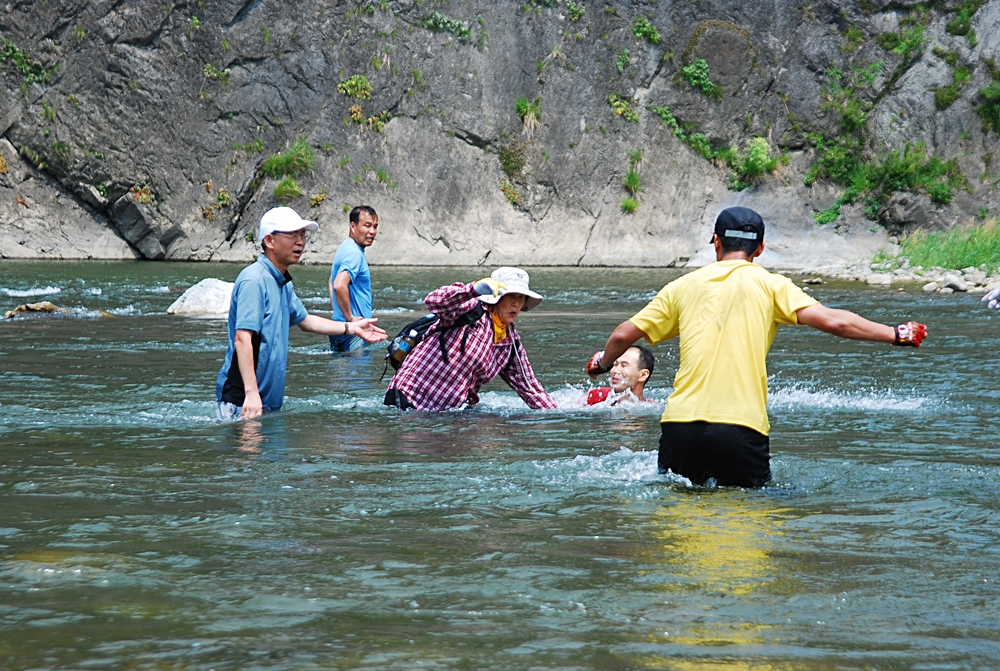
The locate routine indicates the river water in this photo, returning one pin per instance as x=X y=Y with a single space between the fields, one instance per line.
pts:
x=136 y=533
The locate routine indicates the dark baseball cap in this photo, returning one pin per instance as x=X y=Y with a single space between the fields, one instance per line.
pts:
x=739 y=222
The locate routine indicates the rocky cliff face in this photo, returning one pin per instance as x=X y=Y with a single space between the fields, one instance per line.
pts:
x=140 y=128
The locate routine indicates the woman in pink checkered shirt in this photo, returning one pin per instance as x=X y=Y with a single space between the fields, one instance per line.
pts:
x=441 y=374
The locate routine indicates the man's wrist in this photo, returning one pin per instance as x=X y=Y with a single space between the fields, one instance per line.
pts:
x=347 y=328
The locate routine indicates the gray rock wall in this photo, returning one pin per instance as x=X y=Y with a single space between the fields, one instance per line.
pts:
x=131 y=106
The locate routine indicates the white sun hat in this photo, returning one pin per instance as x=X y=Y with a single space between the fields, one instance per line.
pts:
x=516 y=282
x=284 y=220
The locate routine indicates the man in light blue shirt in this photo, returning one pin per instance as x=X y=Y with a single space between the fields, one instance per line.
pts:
x=350 y=279
x=264 y=306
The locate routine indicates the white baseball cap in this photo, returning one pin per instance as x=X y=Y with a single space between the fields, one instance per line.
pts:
x=284 y=220
x=516 y=282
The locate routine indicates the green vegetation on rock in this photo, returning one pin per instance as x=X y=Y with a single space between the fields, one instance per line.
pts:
x=961 y=24
x=356 y=87
x=643 y=29
x=944 y=96
x=696 y=74
x=512 y=158
x=633 y=182
x=510 y=192
x=297 y=161
x=287 y=189
x=624 y=58
x=31 y=71
x=530 y=112
x=872 y=180
x=989 y=110
x=623 y=108
x=440 y=23
x=575 y=10
x=629 y=205
x=747 y=167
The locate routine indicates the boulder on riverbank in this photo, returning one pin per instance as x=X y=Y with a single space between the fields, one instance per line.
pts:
x=211 y=296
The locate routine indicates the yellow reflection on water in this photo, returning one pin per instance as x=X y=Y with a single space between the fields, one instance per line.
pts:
x=719 y=544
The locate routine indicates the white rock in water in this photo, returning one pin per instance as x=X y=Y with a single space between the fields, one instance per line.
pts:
x=955 y=282
x=930 y=286
x=208 y=297
x=879 y=279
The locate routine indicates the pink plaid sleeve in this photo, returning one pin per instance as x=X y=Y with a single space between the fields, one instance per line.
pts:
x=451 y=301
x=522 y=379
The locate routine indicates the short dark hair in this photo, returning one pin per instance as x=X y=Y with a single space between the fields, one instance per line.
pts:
x=356 y=213
x=646 y=359
x=748 y=247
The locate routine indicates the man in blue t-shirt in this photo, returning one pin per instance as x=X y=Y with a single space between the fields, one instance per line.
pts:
x=350 y=279
x=264 y=306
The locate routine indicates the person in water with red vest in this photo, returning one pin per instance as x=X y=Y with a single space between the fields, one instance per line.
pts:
x=450 y=365
x=628 y=378
x=715 y=427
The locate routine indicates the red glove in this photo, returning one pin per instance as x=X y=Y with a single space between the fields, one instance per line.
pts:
x=910 y=334
x=595 y=367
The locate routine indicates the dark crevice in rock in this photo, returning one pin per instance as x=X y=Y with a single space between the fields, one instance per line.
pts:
x=243 y=12
x=471 y=138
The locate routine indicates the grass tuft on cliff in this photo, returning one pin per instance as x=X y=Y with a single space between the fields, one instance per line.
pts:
x=297 y=161
x=287 y=189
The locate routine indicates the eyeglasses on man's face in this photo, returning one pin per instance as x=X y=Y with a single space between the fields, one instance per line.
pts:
x=297 y=235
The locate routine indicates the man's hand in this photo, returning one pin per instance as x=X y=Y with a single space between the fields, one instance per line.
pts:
x=910 y=334
x=488 y=285
x=595 y=367
x=992 y=299
x=366 y=330
x=252 y=406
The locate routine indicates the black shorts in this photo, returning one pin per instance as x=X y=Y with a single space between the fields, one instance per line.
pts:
x=733 y=455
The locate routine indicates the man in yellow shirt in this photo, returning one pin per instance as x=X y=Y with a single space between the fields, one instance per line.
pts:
x=715 y=424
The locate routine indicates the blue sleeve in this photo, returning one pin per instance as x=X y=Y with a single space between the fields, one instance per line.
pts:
x=351 y=263
x=249 y=298
x=296 y=311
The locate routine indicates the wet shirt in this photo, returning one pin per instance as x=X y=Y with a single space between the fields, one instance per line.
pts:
x=350 y=258
x=431 y=384
x=726 y=315
x=264 y=303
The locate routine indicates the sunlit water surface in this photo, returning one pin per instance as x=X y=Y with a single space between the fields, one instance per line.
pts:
x=136 y=533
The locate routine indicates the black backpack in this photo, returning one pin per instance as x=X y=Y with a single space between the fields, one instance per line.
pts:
x=422 y=326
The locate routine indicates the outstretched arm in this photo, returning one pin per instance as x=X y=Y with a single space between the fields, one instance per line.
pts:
x=846 y=324
x=365 y=328
x=621 y=339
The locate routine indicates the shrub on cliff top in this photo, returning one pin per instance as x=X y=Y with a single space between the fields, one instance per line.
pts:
x=297 y=161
